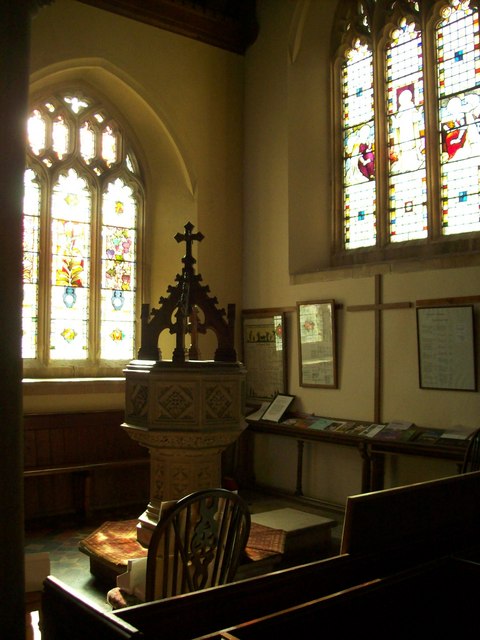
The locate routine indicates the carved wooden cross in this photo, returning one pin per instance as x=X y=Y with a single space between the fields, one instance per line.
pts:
x=378 y=307
x=188 y=237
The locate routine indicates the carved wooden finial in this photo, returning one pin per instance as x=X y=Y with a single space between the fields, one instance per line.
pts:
x=179 y=313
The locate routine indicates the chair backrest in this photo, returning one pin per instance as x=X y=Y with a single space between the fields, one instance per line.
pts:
x=198 y=544
x=471 y=461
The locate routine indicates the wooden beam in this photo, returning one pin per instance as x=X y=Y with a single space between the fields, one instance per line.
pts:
x=231 y=26
x=377 y=308
x=439 y=302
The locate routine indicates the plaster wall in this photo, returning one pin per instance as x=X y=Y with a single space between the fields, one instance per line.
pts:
x=241 y=147
x=288 y=218
x=183 y=102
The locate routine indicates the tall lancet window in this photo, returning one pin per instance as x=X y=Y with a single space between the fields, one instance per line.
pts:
x=458 y=86
x=83 y=207
x=359 y=147
x=407 y=82
x=407 y=178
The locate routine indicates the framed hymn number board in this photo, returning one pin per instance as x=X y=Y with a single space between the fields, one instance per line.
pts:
x=446 y=348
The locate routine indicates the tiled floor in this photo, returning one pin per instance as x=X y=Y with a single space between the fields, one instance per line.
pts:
x=66 y=561
x=72 y=566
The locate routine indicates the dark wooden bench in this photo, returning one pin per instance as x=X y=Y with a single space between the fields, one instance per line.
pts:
x=192 y=615
x=82 y=477
x=66 y=453
x=424 y=601
x=400 y=547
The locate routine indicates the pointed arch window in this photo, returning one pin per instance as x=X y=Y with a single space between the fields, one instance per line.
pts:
x=83 y=207
x=407 y=76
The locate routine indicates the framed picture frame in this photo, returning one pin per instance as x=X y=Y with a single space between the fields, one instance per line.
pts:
x=264 y=353
x=317 y=344
x=278 y=407
x=446 y=348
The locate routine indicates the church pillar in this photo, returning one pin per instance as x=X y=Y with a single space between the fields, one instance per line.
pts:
x=14 y=72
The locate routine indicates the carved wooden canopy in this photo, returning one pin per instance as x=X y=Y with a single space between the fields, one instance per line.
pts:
x=228 y=24
x=181 y=313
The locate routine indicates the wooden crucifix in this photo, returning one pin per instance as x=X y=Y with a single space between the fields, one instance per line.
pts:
x=185 y=308
x=188 y=237
x=378 y=307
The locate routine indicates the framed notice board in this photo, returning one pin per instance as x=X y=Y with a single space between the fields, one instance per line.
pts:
x=446 y=348
x=264 y=353
x=317 y=343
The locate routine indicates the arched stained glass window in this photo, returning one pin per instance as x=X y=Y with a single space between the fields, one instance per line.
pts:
x=409 y=108
x=82 y=211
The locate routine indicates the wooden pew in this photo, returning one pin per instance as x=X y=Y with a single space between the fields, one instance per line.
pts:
x=439 y=515
x=427 y=600
x=66 y=614
x=64 y=607
x=387 y=534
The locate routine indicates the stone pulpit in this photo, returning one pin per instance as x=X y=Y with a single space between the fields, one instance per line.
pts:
x=186 y=411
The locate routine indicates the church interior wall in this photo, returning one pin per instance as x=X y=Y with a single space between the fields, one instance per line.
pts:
x=288 y=216
x=183 y=104
x=241 y=147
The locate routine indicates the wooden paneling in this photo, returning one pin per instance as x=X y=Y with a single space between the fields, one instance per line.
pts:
x=81 y=438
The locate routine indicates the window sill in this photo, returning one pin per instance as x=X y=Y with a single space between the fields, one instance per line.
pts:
x=71 y=386
x=405 y=265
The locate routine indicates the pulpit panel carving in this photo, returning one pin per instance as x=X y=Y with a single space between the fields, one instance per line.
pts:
x=176 y=403
x=136 y=402
x=221 y=402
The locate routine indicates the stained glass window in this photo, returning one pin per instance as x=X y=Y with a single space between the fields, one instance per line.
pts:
x=406 y=134
x=359 y=147
x=409 y=106
x=82 y=205
x=70 y=246
x=458 y=81
x=31 y=230
x=118 y=267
